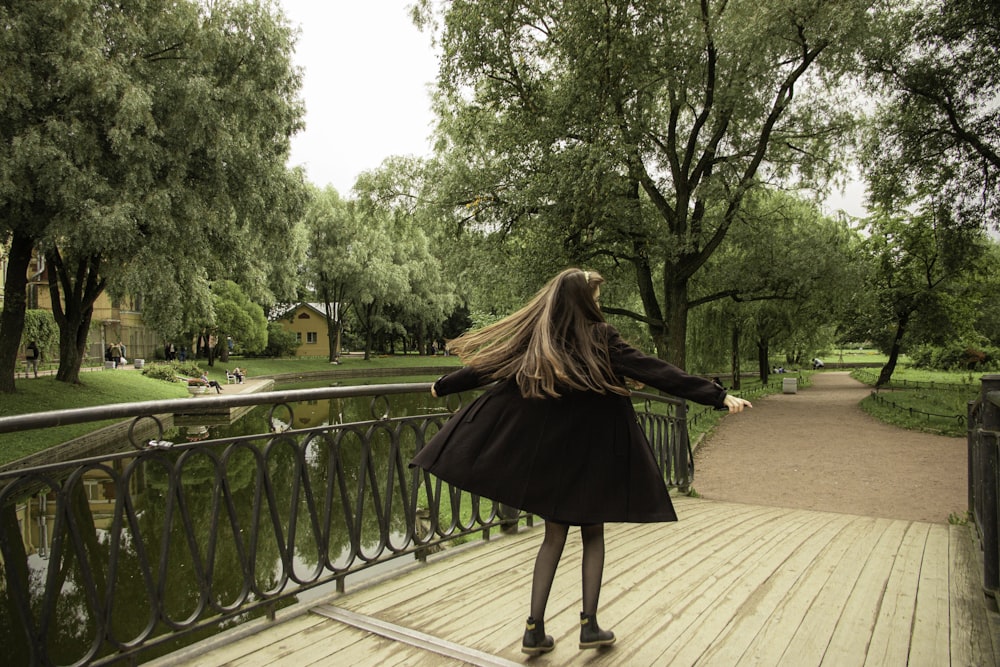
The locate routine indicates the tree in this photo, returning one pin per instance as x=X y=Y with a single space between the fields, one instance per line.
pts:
x=144 y=152
x=239 y=318
x=328 y=227
x=634 y=131
x=921 y=267
x=783 y=273
x=937 y=127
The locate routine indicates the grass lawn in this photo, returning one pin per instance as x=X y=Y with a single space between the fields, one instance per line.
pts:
x=923 y=400
x=96 y=388
x=854 y=356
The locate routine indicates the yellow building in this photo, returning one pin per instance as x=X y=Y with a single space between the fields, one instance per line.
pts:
x=111 y=322
x=308 y=322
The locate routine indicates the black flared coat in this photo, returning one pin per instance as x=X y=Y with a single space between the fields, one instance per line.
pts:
x=578 y=459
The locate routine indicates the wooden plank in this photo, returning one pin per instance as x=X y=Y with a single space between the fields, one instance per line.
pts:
x=810 y=641
x=729 y=584
x=970 y=633
x=849 y=643
x=413 y=638
x=890 y=637
x=295 y=649
x=266 y=635
x=931 y=623
x=685 y=600
x=747 y=590
x=774 y=611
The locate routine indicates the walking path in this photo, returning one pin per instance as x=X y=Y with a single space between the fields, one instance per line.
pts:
x=817 y=449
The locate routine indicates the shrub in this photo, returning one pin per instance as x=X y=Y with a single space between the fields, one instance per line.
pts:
x=172 y=371
x=280 y=343
x=956 y=357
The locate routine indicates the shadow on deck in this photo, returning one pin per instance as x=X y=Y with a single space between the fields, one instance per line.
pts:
x=729 y=584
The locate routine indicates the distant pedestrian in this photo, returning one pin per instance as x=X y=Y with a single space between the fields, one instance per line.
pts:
x=211 y=383
x=557 y=434
x=32 y=355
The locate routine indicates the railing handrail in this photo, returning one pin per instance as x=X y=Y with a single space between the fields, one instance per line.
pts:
x=983 y=442
x=203 y=404
x=266 y=498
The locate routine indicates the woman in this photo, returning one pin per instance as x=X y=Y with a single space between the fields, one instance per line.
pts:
x=557 y=435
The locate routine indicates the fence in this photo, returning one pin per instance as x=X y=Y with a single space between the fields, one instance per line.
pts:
x=132 y=555
x=984 y=428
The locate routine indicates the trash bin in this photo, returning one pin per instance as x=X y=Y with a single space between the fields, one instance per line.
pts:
x=790 y=385
x=138 y=363
x=109 y=365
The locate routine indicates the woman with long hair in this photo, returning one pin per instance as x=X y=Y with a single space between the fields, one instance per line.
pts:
x=556 y=435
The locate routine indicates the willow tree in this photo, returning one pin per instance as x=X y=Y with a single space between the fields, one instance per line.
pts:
x=633 y=130
x=937 y=127
x=144 y=153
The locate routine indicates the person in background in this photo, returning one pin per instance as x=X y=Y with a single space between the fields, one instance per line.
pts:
x=556 y=434
x=32 y=355
x=211 y=383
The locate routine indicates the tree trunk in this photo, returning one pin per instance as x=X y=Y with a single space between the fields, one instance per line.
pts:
x=675 y=325
x=73 y=291
x=332 y=327
x=735 y=357
x=14 y=306
x=897 y=341
x=763 y=360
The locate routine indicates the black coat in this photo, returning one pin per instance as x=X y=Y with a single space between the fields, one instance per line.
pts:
x=578 y=459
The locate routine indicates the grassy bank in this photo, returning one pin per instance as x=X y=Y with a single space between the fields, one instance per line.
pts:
x=922 y=400
x=97 y=388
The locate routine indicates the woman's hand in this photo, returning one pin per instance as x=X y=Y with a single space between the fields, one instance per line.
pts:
x=736 y=404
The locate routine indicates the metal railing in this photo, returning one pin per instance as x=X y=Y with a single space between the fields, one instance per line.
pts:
x=984 y=495
x=132 y=555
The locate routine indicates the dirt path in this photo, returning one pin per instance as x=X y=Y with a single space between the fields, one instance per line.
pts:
x=817 y=450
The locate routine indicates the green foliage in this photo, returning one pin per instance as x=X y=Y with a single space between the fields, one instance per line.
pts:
x=239 y=317
x=936 y=130
x=956 y=357
x=144 y=151
x=280 y=342
x=172 y=371
x=923 y=400
x=627 y=135
x=932 y=411
x=374 y=259
x=40 y=326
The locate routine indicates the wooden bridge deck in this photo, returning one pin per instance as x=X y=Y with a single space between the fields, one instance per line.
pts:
x=730 y=584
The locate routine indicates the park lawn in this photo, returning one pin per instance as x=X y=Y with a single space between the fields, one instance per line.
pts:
x=941 y=407
x=854 y=356
x=97 y=388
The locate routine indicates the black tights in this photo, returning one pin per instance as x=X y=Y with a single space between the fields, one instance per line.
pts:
x=548 y=560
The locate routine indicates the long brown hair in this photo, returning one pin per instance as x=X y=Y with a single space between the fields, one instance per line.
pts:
x=548 y=344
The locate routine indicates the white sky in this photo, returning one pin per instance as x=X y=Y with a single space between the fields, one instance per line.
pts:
x=367 y=76
x=367 y=72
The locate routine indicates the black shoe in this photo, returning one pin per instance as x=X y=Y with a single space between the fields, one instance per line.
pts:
x=591 y=635
x=535 y=640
